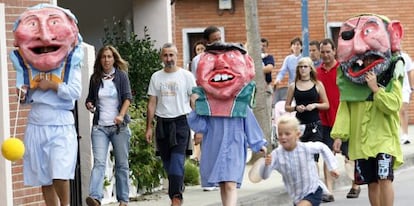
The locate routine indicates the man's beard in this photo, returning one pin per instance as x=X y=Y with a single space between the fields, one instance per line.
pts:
x=169 y=64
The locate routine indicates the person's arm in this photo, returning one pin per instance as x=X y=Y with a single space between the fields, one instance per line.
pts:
x=124 y=109
x=327 y=155
x=152 y=103
x=269 y=64
x=282 y=71
x=390 y=101
x=126 y=98
x=289 y=98
x=268 y=165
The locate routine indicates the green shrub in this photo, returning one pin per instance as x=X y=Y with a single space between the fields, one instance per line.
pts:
x=146 y=167
x=142 y=57
x=191 y=173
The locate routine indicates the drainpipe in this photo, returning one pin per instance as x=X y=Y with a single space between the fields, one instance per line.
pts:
x=305 y=29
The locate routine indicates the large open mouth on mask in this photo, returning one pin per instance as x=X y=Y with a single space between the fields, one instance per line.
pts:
x=360 y=64
x=45 y=49
x=357 y=66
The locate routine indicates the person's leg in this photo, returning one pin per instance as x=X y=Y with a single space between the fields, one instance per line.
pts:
x=49 y=195
x=386 y=192
x=228 y=192
x=385 y=176
x=374 y=194
x=100 y=143
x=404 y=123
x=312 y=199
x=304 y=203
x=61 y=188
x=120 y=144
x=355 y=189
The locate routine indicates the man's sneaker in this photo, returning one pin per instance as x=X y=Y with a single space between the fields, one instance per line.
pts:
x=404 y=139
x=327 y=198
x=90 y=201
x=353 y=193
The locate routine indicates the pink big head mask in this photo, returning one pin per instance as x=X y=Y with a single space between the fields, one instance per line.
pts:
x=223 y=71
x=45 y=36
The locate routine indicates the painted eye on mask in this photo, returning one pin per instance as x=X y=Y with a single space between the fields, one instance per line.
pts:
x=367 y=31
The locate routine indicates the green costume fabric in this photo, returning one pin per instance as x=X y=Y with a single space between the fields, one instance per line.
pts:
x=242 y=101
x=371 y=127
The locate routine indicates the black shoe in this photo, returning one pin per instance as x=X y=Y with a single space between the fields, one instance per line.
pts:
x=353 y=193
x=327 y=198
x=90 y=201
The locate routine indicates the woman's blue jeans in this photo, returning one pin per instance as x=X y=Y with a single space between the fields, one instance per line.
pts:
x=120 y=139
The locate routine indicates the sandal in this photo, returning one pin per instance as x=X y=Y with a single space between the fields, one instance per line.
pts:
x=353 y=193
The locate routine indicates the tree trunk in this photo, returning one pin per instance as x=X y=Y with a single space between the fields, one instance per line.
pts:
x=262 y=110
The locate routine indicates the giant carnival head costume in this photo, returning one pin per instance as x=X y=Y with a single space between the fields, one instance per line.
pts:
x=224 y=74
x=47 y=42
x=367 y=42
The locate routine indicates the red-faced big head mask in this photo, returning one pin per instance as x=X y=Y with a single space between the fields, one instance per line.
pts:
x=45 y=34
x=367 y=42
x=224 y=70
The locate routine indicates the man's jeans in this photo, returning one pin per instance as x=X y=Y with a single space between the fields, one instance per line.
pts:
x=120 y=139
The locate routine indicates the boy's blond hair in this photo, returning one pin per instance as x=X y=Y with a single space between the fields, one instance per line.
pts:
x=289 y=120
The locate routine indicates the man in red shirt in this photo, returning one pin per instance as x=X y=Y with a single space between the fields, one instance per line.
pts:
x=326 y=73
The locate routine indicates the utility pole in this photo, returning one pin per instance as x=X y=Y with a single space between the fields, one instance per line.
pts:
x=262 y=110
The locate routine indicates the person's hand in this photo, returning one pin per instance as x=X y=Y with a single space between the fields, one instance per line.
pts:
x=21 y=93
x=198 y=137
x=371 y=79
x=263 y=151
x=337 y=146
x=119 y=119
x=44 y=84
x=300 y=108
x=310 y=107
x=148 y=135
x=193 y=99
x=90 y=107
x=334 y=173
x=268 y=159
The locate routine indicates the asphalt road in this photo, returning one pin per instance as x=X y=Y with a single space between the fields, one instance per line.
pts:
x=403 y=191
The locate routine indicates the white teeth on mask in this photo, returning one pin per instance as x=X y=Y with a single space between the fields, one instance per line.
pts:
x=217 y=78
x=222 y=77
x=360 y=62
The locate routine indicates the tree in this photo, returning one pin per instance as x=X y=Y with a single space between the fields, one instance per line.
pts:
x=262 y=110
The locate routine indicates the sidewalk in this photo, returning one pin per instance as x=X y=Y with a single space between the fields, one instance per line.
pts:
x=262 y=193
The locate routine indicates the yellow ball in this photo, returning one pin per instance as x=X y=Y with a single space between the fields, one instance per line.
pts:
x=12 y=149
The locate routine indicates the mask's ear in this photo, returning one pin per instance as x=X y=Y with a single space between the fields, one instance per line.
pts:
x=396 y=33
x=249 y=66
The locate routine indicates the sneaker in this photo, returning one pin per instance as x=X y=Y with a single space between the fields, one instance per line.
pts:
x=123 y=204
x=353 y=193
x=404 y=139
x=90 y=201
x=206 y=189
x=175 y=201
x=328 y=198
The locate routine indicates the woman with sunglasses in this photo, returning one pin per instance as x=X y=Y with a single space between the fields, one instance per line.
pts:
x=306 y=95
